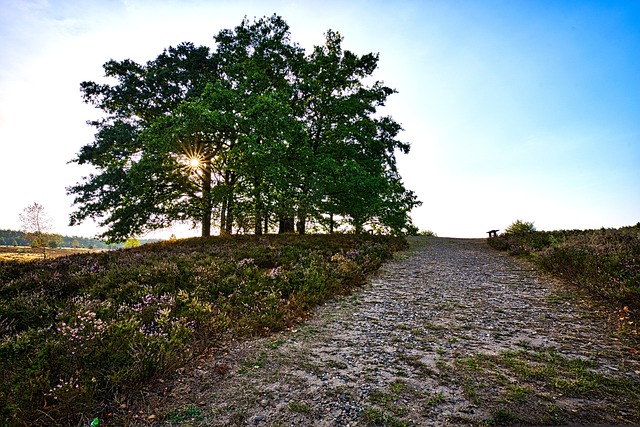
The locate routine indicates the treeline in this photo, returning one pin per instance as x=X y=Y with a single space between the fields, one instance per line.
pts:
x=18 y=238
x=254 y=136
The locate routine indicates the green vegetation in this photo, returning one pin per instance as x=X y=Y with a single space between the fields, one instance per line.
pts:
x=393 y=407
x=512 y=383
x=79 y=331
x=131 y=242
x=520 y=227
x=375 y=417
x=388 y=402
x=300 y=407
x=255 y=135
x=605 y=263
x=435 y=399
x=179 y=417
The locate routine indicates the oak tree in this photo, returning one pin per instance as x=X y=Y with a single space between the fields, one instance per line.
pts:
x=245 y=134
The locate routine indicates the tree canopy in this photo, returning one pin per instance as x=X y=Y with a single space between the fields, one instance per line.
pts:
x=246 y=137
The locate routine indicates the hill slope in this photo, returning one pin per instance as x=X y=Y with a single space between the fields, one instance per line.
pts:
x=77 y=331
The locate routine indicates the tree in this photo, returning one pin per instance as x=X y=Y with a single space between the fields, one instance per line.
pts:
x=258 y=63
x=252 y=131
x=354 y=173
x=37 y=226
x=144 y=183
x=55 y=240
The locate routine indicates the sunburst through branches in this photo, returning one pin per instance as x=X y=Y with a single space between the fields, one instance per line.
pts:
x=192 y=159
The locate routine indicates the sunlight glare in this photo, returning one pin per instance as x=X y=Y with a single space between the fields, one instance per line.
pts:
x=194 y=162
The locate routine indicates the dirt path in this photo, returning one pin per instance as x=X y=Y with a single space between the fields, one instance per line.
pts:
x=450 y=333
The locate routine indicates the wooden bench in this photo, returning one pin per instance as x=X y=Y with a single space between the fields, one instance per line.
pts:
x=493 y=233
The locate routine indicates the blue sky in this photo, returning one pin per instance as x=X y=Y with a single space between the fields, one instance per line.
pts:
x=515 y=109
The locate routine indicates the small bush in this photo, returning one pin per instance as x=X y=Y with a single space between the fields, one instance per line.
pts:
x=519 y=228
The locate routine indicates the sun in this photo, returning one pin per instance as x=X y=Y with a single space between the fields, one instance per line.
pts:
x=192 y=159
x=194 y=162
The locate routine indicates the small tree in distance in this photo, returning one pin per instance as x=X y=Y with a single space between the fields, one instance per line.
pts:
x=131 y=242
x=36 y=226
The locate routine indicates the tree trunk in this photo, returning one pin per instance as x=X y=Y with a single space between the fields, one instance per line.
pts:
x=257 y=224
x=229 y=225
x=257 y=229
x=331 y=223
x=206 y=199
x=223 y=216
x=226 y=217
x=286 y=225
x=358 y=226
x=302 y=223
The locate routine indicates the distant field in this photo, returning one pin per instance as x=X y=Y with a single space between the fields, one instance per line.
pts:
x=26 y=253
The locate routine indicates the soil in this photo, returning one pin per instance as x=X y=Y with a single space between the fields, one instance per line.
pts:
x=449 y=333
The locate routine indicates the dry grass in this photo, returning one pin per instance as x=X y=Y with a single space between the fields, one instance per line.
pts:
x=26 y=253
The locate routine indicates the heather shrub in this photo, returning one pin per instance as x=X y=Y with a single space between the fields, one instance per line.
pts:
x=76 y=332
x=605 y=263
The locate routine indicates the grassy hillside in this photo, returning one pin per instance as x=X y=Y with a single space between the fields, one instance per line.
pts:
x=77 y=331
x=604 y=263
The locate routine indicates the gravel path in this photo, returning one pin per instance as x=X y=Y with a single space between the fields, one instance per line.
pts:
x=449 y=333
